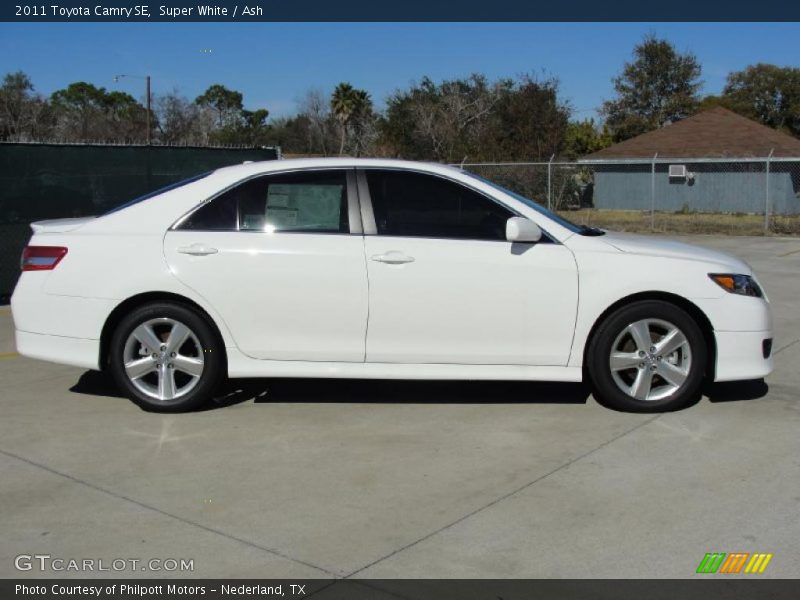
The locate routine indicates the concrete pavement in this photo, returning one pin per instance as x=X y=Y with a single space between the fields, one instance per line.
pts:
x=312 y=478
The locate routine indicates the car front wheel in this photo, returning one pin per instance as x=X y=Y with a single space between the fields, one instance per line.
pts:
x=166 y=357
x=648 y=356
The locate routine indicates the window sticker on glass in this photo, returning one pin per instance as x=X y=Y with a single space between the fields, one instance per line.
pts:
x=304 y=206
x=278 y=196
x=281 y=218
x=250 y=221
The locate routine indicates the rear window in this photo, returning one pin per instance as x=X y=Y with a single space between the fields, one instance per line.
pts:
x=167 y=188
x=309 y=201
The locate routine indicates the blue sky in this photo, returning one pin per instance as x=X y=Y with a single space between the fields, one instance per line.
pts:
x=273 y=64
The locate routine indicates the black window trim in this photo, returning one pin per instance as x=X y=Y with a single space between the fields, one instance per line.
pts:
x=352 y=193
x=370 y=226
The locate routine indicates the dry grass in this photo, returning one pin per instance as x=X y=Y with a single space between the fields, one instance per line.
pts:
x=727 y=224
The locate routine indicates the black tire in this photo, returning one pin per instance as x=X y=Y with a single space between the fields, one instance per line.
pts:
x=204 y=340
x=598 y=359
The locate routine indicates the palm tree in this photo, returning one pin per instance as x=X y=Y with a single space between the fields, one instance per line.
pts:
x=343 y=105
x=361 y=117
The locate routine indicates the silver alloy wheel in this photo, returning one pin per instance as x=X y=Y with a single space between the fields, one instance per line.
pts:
x=163 y=358
x=650 y=359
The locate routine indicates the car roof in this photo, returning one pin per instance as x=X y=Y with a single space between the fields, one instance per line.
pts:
x=252 y=168
x=153 y=214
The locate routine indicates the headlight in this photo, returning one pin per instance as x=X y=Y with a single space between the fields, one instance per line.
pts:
x=744 y=285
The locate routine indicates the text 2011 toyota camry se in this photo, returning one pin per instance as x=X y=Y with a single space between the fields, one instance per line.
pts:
x=380 y=269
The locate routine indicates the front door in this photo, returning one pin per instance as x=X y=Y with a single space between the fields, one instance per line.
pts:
x=446 y=287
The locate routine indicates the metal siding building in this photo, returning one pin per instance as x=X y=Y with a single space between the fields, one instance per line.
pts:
x=721 y=187
x=726 y=155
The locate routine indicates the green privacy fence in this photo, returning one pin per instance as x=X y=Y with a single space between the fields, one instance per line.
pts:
x=48 y=181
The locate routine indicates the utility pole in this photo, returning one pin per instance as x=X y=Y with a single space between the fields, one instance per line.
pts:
x=148 y=109
x=147 y=103
x=653 y=193
x=766 y=194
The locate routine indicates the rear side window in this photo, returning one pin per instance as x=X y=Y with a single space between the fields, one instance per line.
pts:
x=411 y=204
x=314 y=202
x=170 y=187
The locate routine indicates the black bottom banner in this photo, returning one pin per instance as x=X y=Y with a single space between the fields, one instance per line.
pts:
x=408 y=589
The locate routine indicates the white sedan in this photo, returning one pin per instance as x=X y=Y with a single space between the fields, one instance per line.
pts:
x=380 y=269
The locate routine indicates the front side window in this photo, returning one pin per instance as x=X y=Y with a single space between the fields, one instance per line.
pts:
x=553 y=216
x=313 y=202
x=412 y=204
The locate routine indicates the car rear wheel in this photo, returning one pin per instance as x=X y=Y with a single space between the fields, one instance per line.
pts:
x=648 y=356
x=166 y=357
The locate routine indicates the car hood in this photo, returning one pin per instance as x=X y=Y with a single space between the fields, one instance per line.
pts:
x=653 y=246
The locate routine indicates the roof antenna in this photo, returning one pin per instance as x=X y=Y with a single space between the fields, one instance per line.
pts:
x=461 y=166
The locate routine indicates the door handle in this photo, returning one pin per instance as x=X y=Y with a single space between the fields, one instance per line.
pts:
x=393 y=257
x=198 y=250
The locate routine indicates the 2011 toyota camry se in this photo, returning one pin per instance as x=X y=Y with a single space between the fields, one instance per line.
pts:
x=380 y=269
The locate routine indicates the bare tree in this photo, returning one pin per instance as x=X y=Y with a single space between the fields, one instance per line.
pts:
x=315 y=107
x=443 y=121
x=21 y=109
x=181 y=121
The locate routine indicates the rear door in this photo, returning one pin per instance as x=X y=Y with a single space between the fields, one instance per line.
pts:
x=281 y=258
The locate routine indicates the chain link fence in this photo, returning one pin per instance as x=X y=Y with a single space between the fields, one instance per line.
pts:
x=752 y=196
x=739 y=196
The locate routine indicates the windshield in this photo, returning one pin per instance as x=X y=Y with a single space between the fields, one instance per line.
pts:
x=566 y=223
x=167 y=188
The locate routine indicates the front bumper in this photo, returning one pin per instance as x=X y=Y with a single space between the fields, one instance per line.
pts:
x=740 y=324
x=740 y=355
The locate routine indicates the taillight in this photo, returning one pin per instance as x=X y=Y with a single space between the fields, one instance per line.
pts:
x=42 y=258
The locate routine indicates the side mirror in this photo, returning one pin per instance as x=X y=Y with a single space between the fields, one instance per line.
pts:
x=519 y=229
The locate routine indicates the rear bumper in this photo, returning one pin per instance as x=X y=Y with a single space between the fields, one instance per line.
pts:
x=740 y=355
x=36 y=311
x=78 y=352
x=57 y=328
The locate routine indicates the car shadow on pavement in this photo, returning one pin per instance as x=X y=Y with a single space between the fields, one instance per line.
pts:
x=380 y=391
x=237 y=391
x=734 y=391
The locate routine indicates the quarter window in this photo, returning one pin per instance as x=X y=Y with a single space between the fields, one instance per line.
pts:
x=411 y=204
x=301 y=202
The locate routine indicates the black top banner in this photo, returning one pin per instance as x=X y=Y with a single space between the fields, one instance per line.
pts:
x=407 y=10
